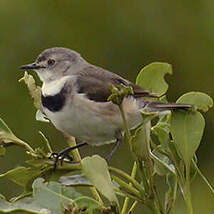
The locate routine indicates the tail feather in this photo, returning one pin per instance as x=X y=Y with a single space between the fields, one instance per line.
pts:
x=166 y=106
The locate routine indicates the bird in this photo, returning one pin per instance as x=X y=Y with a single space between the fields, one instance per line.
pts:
x=75 y=95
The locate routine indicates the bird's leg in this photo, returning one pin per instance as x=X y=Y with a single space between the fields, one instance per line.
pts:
x=65 y=154
x=109 y=156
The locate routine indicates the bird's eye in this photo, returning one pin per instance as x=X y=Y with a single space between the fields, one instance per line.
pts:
x=51 y=61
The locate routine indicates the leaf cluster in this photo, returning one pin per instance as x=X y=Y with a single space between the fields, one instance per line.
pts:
x=164 y=145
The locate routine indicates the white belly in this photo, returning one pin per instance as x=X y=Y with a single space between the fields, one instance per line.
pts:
x=92 y=122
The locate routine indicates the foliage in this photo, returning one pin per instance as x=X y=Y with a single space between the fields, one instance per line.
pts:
x=164 y=148
x=151 y=77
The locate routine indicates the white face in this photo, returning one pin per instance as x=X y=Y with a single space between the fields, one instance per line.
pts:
x=52 y=69
x=45 y=75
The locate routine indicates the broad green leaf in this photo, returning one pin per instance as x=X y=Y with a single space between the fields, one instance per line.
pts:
x=161 y=130
x=50 y=195
x=37 y=163
x=69 y=192
x=58 y=198
x=147 y=116
x=48 y=198
x=151 y=77
x=140 y=140
x=75 y=180
x=89 y=205
x=162 y=133
x=187 y=129
x=96 y=171
x=26 y=204
x=22 y=176
x=200 y=100
x=21 y=196
x=162 y=164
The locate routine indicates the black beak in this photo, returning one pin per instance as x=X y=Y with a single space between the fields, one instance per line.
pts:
x=32 y=66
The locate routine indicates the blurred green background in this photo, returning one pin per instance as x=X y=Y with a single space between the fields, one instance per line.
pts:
x=121 y=36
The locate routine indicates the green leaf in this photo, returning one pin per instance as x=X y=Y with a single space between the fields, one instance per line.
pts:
x=58 y=198
x=21 y=196
x=161 y=130
x=75 y=180
x=37 y=163
x=140 y=140
x=22 y=176
x=26 y=204
x=187 y=129
x=162 y=164
x=162 y=133
x=47 y=198
x=147 y=116
x=151 y=77
x=200 y=100
x=51 y=196
x=96 y=171
x=89 y=205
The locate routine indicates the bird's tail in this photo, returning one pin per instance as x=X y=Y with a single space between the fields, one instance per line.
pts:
x=159 y=106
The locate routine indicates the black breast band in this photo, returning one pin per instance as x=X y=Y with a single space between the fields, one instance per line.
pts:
x=56 y=102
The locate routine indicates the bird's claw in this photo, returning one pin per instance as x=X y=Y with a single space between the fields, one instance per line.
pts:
x=65 y=154
x=60 y=157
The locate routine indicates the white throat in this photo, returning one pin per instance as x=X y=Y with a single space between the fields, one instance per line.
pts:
x=53 y=87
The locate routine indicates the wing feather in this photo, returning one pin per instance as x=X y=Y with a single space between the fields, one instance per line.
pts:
x=95 y=83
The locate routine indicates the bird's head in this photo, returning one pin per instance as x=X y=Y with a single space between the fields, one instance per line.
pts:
x=55 y=63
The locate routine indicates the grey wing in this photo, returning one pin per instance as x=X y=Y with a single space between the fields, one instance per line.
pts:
x=95 y=83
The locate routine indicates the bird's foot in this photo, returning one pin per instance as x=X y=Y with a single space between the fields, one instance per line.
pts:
x=64 y=154
x=60 y=157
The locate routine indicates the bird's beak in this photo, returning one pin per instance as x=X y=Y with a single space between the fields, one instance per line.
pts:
x=32 y=66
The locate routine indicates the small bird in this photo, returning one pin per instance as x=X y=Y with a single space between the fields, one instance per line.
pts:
x=75 y=97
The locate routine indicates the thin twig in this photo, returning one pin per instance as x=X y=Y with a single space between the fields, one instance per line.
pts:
x=126 y=187
x=132 y=207
x=128 y=178
x=127 y=199
x=187 y=193
x=47 y=142
x=203 y=177
x=127 y=131
x=77 y=157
